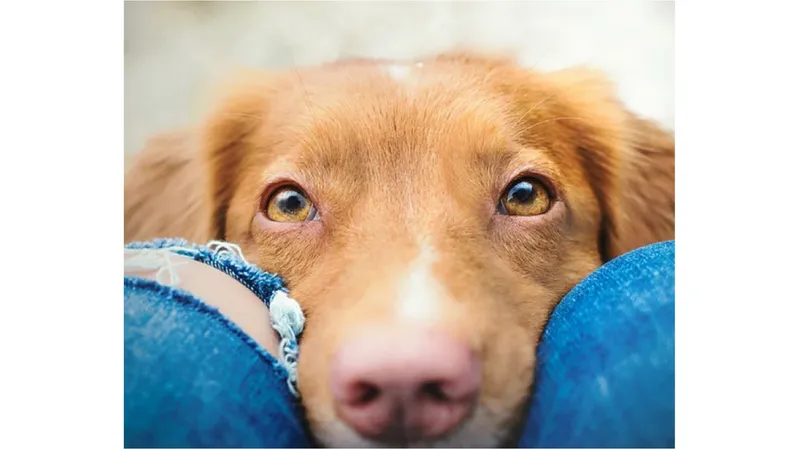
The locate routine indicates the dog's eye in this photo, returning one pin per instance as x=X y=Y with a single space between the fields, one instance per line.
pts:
x=290 y=204
x=526 y=196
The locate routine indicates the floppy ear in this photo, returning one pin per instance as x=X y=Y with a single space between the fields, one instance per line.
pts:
x=165 y=190
x=630 y=162
x=180 y=184
x=225 y=139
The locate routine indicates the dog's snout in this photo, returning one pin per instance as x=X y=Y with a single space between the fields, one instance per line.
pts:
x=396 y=384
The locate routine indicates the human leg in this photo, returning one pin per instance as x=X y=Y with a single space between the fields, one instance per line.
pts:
x=606 y=361
x=194 y=375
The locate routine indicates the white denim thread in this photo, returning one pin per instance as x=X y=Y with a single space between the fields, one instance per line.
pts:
x=288 y=320
x=152 y=259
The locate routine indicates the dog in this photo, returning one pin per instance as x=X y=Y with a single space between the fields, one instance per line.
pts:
x=428 y=215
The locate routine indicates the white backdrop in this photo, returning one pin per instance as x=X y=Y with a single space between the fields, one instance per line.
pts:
x=175 y=52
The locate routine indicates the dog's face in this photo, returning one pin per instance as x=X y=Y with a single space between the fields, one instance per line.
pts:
x=459 y=195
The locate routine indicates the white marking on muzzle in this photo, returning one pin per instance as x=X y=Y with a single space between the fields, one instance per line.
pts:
x=420 y=294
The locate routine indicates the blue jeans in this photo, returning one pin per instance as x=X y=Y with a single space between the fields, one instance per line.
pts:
x=605 y=372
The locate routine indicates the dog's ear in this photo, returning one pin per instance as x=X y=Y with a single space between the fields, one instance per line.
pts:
x=164 y=190
x=181 y=183
x=630 y=161
x=225 y=136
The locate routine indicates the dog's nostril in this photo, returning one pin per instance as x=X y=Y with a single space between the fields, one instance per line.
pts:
x=366 y=393
x=434 y=391
x=422 y=390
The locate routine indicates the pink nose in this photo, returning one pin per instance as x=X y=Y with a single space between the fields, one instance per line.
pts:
x=396 y=384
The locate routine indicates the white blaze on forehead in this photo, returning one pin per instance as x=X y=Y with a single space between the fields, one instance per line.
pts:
x=400 y=72
x=420 y=294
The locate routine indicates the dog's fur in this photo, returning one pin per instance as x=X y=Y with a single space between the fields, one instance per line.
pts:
x=405 y=160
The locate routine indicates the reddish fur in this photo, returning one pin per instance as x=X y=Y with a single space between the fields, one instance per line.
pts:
x=385 y=161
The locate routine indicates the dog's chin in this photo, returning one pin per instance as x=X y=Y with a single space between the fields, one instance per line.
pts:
x=482 y=429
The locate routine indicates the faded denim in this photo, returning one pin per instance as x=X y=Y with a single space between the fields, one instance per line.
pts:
x=605 y=369
x=606 y=362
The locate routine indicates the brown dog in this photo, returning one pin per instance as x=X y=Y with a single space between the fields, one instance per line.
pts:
x=427 y=215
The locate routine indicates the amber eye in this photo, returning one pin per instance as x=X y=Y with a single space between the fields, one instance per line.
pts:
x=289 y=204
x=525 y=196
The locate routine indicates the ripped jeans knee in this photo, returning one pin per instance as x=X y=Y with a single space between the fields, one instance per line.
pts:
x=164 y=262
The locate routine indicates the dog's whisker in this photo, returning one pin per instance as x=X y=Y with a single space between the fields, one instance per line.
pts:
x=555 y=119
x=539 y=104
x=306 y=96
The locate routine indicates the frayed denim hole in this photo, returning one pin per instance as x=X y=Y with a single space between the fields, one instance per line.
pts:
x=287 y=317
x=158 y=291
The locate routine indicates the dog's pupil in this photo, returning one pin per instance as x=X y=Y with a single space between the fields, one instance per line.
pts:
x=522 y=192
x=292 y=202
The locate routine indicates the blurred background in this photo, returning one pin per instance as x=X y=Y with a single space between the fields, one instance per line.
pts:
x=176 y=52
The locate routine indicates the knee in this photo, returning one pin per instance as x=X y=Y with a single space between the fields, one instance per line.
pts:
x=642 y=277
x=210 y=286
x=632 y=294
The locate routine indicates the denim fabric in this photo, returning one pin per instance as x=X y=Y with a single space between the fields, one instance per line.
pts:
x=262 y=284
x=606 y=361
x=195 y=379
x=605 y=374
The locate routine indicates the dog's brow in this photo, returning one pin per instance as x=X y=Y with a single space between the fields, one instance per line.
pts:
x=496 y=157
x=323 y=158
